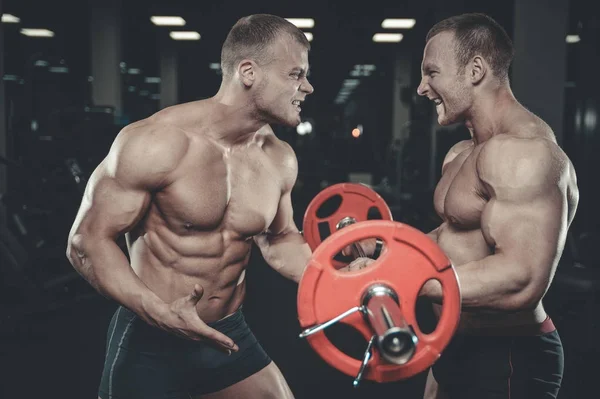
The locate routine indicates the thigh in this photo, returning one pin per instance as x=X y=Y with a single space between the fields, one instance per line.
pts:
x=538 y=364
x=475 y=368
x=135 y=366
x=265 y=384
x=210 y=370
x=432 y=388
x=131 y=375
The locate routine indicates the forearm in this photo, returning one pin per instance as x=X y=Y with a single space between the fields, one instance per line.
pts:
x=489 y=285
x=104 y=265
x=287 y=253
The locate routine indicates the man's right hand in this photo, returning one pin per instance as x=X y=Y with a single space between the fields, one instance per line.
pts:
x=180 y=317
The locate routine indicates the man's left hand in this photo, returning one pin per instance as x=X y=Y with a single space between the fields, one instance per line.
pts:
x=357 y=264
x=367 y=246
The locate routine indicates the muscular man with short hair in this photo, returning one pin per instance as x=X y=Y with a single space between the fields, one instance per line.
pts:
x=192 y=187
x=507 y=197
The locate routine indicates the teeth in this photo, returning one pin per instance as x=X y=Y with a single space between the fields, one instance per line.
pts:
x=437 y=101
x=296 y=102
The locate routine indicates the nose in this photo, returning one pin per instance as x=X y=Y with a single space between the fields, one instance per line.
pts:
x=423 y=87
x=306 y=87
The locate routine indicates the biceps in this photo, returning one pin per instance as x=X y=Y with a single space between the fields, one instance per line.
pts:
x=109 y=209
x=284 y=218
x=530 y=235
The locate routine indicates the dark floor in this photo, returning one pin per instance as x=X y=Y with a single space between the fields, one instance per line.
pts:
x=59 y=352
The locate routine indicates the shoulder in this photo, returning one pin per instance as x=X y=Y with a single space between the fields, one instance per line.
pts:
x=280 y=152
x=282 y=155
x=455 y=150
x=517 y=162
x=147 y=147
x=460 y=146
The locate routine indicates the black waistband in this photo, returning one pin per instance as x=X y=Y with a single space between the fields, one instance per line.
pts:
x=545 y=327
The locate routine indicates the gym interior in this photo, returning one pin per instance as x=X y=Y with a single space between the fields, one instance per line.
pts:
x=74 y=73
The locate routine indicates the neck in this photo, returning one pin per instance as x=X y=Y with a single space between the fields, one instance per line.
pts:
x=234 y=116
x=491 y=112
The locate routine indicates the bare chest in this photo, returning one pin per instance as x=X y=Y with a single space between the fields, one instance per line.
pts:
x=238 y=191
x=460 y=197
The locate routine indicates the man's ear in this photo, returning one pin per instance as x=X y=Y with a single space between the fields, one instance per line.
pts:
x=247 y=70
x=478 y=69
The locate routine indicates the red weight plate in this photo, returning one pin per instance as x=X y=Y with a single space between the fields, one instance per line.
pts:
x=409 y=260
x=357 y=199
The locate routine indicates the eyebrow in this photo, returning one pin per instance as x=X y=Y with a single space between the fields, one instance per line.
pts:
x=301 y=70
x=429 y=66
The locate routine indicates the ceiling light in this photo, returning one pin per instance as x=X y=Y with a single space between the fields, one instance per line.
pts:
x=167 y=21
x=185 y=35
x=10 y=19
x=37 y=32
x=387 y=37
x=573 y=38
x=302 y=23
x=398 y=23
x=362 y=70
x=58 y=69
x=309 y=36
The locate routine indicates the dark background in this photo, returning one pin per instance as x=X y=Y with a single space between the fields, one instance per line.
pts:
x=53 y=325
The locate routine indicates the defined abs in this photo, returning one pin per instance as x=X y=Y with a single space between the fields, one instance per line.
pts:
x=173 y=268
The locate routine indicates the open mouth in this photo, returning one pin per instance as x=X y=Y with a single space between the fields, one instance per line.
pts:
x=437 y=101
x=296 y=103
